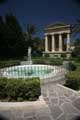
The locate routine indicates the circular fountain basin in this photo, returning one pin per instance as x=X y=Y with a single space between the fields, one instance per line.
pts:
x=29 y=71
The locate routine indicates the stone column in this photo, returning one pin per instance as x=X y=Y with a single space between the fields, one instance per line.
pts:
x=53 y=43
x=46 y=43
x=68 y=42
x=60 y=43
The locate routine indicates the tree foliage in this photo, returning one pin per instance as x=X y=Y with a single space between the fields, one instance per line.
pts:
x=76 y=51
x=35 y=43
x=76 y=28
x=12 y=42
x=2 y=1
x=31 y=30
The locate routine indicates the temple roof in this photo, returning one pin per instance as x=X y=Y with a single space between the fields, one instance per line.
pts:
x=56 y=25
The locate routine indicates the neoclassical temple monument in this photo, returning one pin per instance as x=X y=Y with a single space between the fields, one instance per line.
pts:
x=57 y=39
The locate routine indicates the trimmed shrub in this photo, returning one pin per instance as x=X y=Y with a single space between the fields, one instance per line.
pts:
x=50 y=61
x=4 y=64
x=73 y=80
x=63 y=55
x=38 y=61
x=46 y=55
x=19 y=89
x=70 y=66
x=56 y=61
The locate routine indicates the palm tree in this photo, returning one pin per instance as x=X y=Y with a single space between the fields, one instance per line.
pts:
x=31 y=30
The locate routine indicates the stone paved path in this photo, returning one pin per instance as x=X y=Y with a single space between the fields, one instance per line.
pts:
x=64 y=104
x=56 y=103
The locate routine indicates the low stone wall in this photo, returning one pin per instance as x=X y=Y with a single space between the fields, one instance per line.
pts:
x=37 y=110
x=67 y=91
x=58 y=77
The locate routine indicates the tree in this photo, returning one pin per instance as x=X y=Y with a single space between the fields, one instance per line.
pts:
x=76 y=51
x=76 y=28
x=2 y=1
x=76 y=31
x=12 y=41
x=31 y=30
x=2 y=37
x=77 y=1
x=14 y=37
x=38 y=46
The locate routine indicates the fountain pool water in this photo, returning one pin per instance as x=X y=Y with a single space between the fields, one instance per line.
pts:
x=28 y=71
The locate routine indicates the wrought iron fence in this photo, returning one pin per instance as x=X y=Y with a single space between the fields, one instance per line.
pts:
x=29 y=71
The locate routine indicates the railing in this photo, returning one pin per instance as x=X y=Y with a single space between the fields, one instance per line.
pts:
x=47 y=73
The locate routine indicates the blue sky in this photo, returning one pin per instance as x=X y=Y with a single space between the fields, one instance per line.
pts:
x=42 y=12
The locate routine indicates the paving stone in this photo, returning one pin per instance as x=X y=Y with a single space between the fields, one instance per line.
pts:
x=62 y=117
x=67 y=100
x=44 y=94
x=62 y=97
x=76 y=103
x=24 y=118
x=72 y=98
x=54 y=101
x=28 y=118
x=28 y=113
x=46 y=99
x=44 y=118
x=55 y=111
x=18 y=118
x=61 y=102
x=51 y=94
x=18 y=112
x=73 y=117
x=5 y=114
x=41 y=112
x=34 y=118
x=68 y=108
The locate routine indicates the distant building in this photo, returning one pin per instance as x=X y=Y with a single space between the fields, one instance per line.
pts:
x=57 y=39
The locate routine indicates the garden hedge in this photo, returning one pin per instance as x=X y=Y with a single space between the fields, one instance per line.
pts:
x=9 y=63
x=49 y=61
x=19 y=89
x=73 y=80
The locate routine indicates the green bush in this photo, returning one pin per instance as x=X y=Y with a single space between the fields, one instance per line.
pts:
x=46 y=55
x=38 y=61
x=50 y=61
x=56 y=61
x=63 y=55
x=73 y=80
x=9 y=63
x=19 y=89
x=71 y=66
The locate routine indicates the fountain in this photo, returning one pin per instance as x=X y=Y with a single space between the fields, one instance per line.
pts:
x=29 y=55
x=28 y=60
